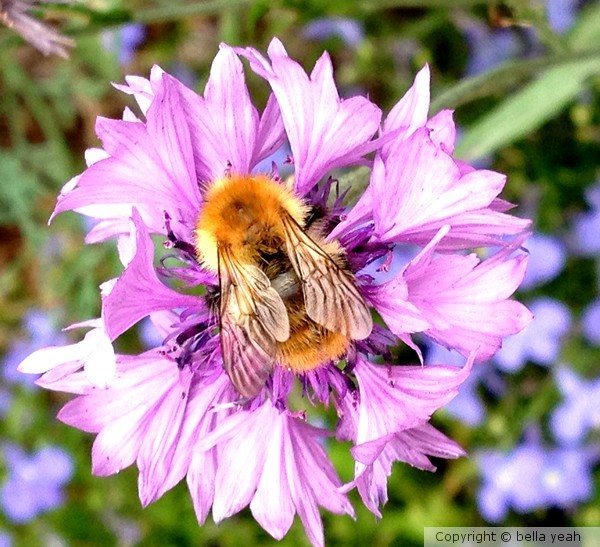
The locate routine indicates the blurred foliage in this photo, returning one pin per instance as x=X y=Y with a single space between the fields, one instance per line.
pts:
x=534 y=116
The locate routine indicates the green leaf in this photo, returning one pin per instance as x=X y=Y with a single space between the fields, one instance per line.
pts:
x=585 y=33
x=527 y=110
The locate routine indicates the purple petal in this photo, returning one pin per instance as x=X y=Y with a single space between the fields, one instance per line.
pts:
x=138 y=292
x=410 y=112
x=466 y=300
x=324 y=131
x=393 y=399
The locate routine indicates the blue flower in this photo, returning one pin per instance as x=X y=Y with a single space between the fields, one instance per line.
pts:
x=40 y=333
x=587 y=225
x=561 y=14
x=5 y=401
x=540 y=341
x=5 y=539
x=348 y=30
x=547 y=257
x=532 y=477
x=591 y=322
x=35 y=482
x=124 y=41
x=487 y=47
x=579 y=412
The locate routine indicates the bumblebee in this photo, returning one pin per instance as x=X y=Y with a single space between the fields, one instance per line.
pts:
x=287 y=296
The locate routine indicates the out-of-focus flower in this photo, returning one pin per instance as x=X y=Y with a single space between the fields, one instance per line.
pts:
x=591 y=321
x=579 y=411
x=547 y=256
x=348 y=30
x=540 y=341
x=124 y=41
x=14 y=14
x=35 y=482
x=532 y=477
x=466 y=406
x=5 y=401
x=561 y=14
x=586 y=231
x=40 y=332
x=488 y=47
x=174 y=410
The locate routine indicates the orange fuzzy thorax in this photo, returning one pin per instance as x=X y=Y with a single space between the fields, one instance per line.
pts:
x=244 y=215
x=239 y=211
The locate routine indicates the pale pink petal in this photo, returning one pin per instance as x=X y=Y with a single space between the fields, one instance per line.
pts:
x=100 y=364
x=140 y=88
x=44 y=359
x=95 y=353
x=288 y=471
x=442 y=130
x=412 y=446
x=271 y=133
x=272 y=504
x=391 y=301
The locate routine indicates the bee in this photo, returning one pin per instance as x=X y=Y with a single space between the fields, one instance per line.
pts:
x=287 y=296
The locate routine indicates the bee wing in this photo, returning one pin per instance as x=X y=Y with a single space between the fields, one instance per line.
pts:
x=330 y=295
x=253 y=318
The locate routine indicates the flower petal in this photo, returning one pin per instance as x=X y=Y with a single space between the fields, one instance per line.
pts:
x=393 y=399
x=324 y=131
x=466 y=300
x=138 y=292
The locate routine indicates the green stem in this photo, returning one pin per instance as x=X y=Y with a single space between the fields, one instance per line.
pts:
x=504 y=77
x=167 y=13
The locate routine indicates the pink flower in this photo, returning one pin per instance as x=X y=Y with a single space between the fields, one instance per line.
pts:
x=175 y=411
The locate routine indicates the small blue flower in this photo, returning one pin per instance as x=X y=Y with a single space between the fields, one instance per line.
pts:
x=591 y=322
x=540 y=341
x=5 y=539
x=561 y=14
x=547 y=257
x=40 y=333
x=124 y=41
x=348 y=30
x=532 y=477
x=586 y=232
x=35 y=482
x=579 y=412
x=5 y=401
x=487 y=47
